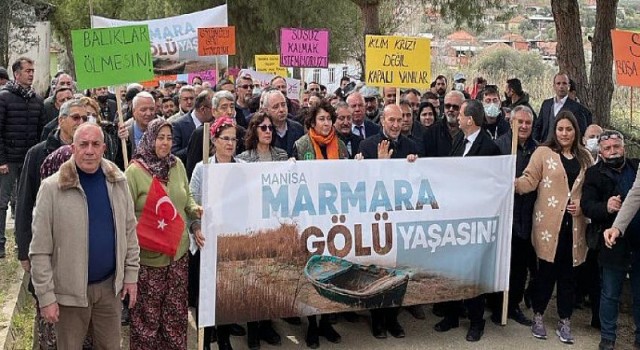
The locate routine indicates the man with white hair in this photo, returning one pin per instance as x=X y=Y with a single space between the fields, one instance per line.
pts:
x=186 y=98
x=144 y=111
x=274 y=103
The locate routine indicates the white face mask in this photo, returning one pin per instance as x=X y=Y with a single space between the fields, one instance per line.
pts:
x=492 y=110
x=592 y=145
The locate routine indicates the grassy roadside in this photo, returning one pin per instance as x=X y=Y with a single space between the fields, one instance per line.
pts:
x=9 y=275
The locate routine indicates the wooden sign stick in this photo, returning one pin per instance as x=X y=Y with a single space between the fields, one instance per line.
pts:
x=125 y=155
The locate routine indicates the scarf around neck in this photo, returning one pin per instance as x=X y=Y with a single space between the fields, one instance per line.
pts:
x=330 y=142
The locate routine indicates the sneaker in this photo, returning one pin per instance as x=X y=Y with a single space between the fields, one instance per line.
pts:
x=563 y=331
x=606 y=344
x=537 y=328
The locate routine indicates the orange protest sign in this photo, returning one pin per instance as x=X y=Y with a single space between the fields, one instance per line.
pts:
x=626 y=56
x=217 y=41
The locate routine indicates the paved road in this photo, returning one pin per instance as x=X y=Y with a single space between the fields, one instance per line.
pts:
x=420 y=335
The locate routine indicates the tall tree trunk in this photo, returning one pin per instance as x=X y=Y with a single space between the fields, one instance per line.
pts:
x=371 y=21
x=601 y=79
x=570 y=52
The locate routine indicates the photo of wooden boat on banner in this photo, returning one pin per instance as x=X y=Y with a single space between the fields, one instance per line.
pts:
x=320 y=238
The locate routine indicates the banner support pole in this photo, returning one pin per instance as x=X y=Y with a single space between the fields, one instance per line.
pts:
x=205 y=160
x=125 y=155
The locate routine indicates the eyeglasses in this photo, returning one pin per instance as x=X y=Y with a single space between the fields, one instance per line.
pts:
x=610 y=135
x=228 y=139
x=314 y=89
x=247 y=86
x=264 y=128
x=77 y=118
x=451 y=106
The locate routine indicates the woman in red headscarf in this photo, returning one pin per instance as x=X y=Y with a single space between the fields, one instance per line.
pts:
x=160 y=318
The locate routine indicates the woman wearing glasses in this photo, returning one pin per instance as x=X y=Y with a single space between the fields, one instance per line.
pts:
x=223 y=135
x=259 y=146
x=556 y=171
x=259 y=141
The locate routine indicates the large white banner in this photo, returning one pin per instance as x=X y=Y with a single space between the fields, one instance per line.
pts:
x=174 y=40
x=311 y=237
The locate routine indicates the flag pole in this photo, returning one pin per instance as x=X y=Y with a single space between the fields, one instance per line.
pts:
x=514 y=151
x=125 y=156
x=205 y=160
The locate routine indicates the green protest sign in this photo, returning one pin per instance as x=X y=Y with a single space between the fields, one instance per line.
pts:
x=112 y=56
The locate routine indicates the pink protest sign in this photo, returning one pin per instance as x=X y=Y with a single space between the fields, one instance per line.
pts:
x=304 y=48
x=207 y=75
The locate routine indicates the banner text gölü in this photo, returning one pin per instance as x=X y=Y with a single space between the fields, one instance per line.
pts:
x=315 y=237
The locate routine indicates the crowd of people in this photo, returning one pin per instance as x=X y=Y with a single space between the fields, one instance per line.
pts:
x=78 y=200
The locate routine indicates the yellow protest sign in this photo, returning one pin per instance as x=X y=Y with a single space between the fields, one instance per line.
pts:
x=270 y=64
x=396 y=61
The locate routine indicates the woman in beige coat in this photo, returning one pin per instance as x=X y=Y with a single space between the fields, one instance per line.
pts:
x=556 y=171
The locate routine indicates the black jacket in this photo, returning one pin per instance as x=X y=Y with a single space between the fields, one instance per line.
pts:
x=294 y=132
x=418 y=134
x=352 y=141
x=545 y=120
x=28 y=186
x=370 y=128
x=523 y=101
x=401 y=148
x=50 y=110
x=522 y=204
x=438 y=140
x=21 y=122
x=499 y=128
x=194 y=150
x=182 y=130
x=482 y=146
x=599 y=185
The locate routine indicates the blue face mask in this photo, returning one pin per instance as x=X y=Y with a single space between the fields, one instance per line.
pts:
x=492 y=110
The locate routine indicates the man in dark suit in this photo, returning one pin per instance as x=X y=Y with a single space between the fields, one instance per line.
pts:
x=469 y=143
x=389 y=143
x=551 y=107
x=185 y=125
x=362 y=126
x=288 y=131
x=412 y=128
x=439 y=136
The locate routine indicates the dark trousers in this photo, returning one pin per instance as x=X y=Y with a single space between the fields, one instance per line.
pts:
x=589 y=282
x=521 y=256
x=560 y=272
x=384 y=316
x=612 y=281
x=474 y=306
x=7 y=182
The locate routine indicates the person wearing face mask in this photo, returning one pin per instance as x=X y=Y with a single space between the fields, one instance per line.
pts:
x=590 y=140
x=495 y=124
x=609 y=199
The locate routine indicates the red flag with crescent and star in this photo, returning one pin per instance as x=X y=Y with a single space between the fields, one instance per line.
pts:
x=160 y=227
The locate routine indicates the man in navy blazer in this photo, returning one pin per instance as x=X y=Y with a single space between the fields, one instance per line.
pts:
x=551 y=107
x=362 y=126
x=185 y=125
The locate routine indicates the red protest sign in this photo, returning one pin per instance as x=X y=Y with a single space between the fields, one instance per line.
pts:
x=217 y=41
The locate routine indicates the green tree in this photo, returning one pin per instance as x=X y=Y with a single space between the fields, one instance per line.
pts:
x=524 y=65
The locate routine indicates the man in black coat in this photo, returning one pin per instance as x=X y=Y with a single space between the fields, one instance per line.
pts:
x=21 y=121
x=542 y=129
x=412 y=128
x=522 y=254
x=606 y=185
x=389 y=143
x=185 y=125
x=516 y=96
x=471 y=142
x=274 y=103
x=439 y=137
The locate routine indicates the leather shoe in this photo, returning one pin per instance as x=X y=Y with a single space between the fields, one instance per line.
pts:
x=327 y=331
x=416 y=311
x=296 y=321
x=224 y=344
x=312 y=339
x=253 y=338
x=446 y=324
x=518 y=316
x=268 y=334
x=395 y=329
x=475 y=332
x=606 y=344
x=496 y=318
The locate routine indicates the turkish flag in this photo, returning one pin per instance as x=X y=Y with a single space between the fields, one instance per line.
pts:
x=160 y=226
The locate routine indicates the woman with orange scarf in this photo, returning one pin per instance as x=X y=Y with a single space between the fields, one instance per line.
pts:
x=321 y=142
